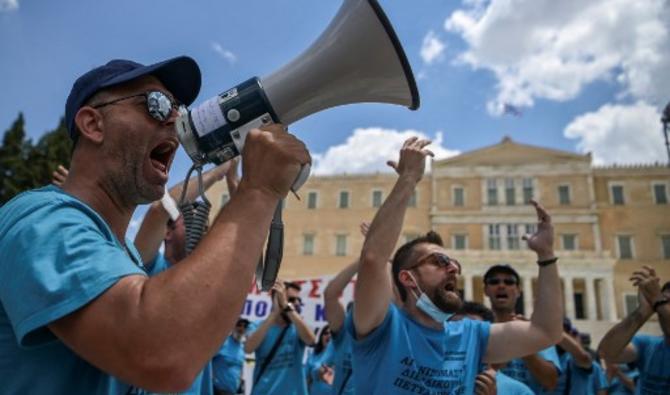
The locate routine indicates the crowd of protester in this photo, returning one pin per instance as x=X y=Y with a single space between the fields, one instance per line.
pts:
x=86 y=311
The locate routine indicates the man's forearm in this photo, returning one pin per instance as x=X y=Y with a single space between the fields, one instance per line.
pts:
x=548 y=316
x=304 y=332
x=616 y=339
x=542 y=370
x=256 y=337
x=579 y=355
x=331 y=296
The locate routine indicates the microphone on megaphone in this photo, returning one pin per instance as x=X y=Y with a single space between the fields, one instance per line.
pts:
x=357 y=59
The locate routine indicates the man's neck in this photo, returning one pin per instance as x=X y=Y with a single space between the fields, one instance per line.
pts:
x=504 y=315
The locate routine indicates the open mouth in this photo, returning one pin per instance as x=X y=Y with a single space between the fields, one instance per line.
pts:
x=501 y=297
x=450 y=287
x=161 y=156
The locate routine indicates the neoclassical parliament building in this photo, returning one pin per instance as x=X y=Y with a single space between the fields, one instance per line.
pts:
x=608 y=222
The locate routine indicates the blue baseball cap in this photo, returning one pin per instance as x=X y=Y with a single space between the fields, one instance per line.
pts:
x=180 y=75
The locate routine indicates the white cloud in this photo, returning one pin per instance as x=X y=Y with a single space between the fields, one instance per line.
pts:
x=368 y=149
x=551 y=49
x=229 y=56
x=9 y=5
x=620 y=134
x=432 y=48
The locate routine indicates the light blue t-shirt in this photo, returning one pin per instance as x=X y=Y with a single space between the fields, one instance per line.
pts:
x=581 y=381
x=284 y=375
x=312 y=366
x=56 y=256
x=227 y=365
x=617 y=387
x=401 y=356
x=343 y=384
x=653 y=359
x=518 y=370
x=506 y=385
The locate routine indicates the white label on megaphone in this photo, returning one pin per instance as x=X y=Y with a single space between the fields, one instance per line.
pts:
x=208 y=117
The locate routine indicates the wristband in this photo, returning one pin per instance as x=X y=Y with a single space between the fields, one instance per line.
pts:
x=547 y=262
x=660 y=302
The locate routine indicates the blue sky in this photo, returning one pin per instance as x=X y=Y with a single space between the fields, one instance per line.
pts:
x=584 y=75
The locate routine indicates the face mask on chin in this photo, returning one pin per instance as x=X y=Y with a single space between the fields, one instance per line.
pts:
x=426 y=305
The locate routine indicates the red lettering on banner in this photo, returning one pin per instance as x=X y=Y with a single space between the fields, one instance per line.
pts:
x=314 y=292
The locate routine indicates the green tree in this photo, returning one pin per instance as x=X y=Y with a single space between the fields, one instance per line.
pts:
x=25 y=166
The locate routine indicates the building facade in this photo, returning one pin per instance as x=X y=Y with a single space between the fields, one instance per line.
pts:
x=608 y=221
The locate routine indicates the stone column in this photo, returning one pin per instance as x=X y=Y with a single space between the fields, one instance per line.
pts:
x=527 y=295
x=610 y=301
x=467 y=287
x=591 y=308
x=569 y=299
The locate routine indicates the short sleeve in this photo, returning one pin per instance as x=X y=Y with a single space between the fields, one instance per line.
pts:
x=371 y=342
x=57 y=258
x=550 y=354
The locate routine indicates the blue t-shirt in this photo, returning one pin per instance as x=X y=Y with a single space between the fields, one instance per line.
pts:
x=508 y=386
x=653 y=359
x=284 y=375
x=617 y=387
x=401 y=356
x=343 y=384
x=518 y=370
x=227 y=365
x=56 y=255
x=312 y=366
x=582 y=381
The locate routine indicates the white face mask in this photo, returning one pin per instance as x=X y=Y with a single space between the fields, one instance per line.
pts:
x=426 y=305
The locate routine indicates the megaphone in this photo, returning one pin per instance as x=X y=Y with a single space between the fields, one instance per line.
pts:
x=358 y=58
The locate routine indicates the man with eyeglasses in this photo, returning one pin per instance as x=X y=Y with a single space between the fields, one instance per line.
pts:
x=539 y=371
x=413 y=348
x=279 y=345
x=78 y=313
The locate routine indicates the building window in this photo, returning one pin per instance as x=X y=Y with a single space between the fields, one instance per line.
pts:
x=660 y=193
x=308 y=244
x=494 y=237
x=412 y=200
x=510 y=199
x=512 y=237
x=564 y=195
x=459 y=196
x=492 y=192
x=617 y=194
x=580 y=312
x=344 y=199
x=312 y=199
x=630 y=303
x=569 y=242
x=527 y=189
x=341 y=245
x=460 y=242
x=377 y=199
x=665 y=243
x=625 y=244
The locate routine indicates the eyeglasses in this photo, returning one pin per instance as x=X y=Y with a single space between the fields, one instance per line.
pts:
x=295 y=300
x=437 y=259
x=496 y=281
x=159 y=105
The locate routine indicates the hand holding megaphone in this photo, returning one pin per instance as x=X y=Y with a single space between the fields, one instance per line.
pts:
x=274 y=160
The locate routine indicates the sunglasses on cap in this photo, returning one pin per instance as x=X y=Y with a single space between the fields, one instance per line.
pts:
x=496 y=281
x=159 y=105
x=437 y=259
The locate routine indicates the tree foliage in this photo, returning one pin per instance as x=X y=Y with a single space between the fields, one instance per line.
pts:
x=24 y=165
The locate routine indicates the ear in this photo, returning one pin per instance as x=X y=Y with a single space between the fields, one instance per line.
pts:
x=406 y=279
x=90 y=124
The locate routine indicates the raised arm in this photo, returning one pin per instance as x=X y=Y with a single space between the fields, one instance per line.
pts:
x=304 y=332
x=543 y=371
x=154 y=225
x=157 y=333
x=649 y=285
x=615 y=345
x=373 y=287
x=579 y=355
x=516 y=339
x=331 y=296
